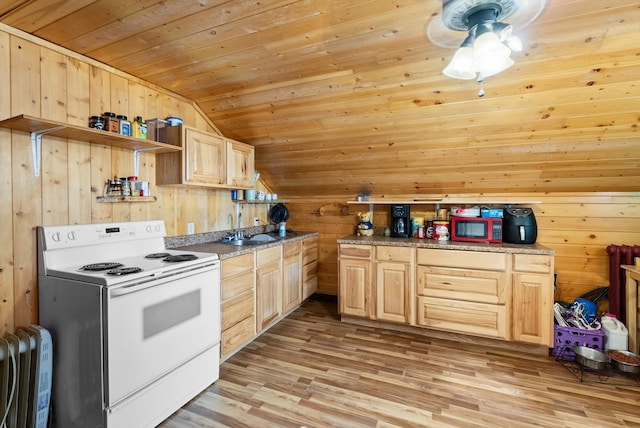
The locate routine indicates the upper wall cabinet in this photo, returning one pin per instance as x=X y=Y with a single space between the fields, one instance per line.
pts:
x=207 y=160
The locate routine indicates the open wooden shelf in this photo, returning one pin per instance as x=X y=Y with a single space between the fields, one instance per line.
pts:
x=64 y=130
x=446 y=201
x=118 y=199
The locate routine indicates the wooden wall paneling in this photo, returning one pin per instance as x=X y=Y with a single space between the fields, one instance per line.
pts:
x=122 y=94
x=6 y=181
x=79 y=152
x=53 y=105
x=99 y=102
x=27 y=202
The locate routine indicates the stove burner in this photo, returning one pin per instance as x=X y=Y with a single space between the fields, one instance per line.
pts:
x=156 y=255
x=101 y=266
x=124 y=271
x=180 y=258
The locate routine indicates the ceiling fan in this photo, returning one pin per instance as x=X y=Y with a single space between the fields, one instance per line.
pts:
x=487 y=48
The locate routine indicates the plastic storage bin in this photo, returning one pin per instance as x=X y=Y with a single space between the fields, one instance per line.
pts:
x=565 y=338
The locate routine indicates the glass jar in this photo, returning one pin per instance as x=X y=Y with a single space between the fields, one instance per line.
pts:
x=96 y=122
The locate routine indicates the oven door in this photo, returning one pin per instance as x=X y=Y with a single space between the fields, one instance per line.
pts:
x=157 y=326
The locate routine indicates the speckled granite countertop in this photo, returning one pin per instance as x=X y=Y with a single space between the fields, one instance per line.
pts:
x=211 y=244
x=447 y=245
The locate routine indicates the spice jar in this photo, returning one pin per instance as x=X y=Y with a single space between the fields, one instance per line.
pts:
x=111 y=122
x=96 y=122
x=124 y=125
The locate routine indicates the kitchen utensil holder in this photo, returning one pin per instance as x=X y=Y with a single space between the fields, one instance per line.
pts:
x=565 y=338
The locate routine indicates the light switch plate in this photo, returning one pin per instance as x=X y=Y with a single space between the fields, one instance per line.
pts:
x=190 y=229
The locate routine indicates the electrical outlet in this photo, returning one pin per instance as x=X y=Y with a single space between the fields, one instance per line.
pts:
x=190 y=229
x=256 y=221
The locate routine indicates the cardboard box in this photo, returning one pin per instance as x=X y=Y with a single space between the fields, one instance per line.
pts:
x=491 y=212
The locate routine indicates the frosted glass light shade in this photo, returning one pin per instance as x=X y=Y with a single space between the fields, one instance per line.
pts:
x=490 y=55
x=461 y=66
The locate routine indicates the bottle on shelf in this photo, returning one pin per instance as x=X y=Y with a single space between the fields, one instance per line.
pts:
x=139 y=128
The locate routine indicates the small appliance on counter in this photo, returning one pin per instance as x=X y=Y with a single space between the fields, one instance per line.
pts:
x=519 y=226
x=400 y=221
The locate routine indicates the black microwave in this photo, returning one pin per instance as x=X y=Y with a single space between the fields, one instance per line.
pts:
x=476 y=229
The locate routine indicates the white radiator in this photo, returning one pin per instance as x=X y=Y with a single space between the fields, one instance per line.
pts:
x=26 y=366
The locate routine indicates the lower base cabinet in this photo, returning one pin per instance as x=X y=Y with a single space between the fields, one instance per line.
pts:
x=507 y=296
x=258 y=289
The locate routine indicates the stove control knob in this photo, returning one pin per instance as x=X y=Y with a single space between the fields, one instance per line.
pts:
x=55 y=237
x=149 y=229
x=71 y=236
x=158 y=228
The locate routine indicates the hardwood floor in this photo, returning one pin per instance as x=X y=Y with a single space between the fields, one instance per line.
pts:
x=311 y=370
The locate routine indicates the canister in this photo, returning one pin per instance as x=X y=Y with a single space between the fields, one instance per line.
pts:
x=441 y=230
x=111 y=123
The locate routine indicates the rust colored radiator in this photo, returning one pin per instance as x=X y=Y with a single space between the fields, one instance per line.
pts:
x=619 y=255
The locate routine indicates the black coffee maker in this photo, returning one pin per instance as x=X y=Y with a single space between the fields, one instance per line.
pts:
x=400 y=221
x=519 y=226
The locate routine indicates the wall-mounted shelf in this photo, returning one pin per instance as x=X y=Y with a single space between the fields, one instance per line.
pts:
x=118 y=199
x=263 y=202
x=38 y=127
x=445 y=201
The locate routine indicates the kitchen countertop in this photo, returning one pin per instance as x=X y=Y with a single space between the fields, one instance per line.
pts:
x=447 y=245
x=226 y=251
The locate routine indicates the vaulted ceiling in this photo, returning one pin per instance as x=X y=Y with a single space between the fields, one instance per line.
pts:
x=340 y=97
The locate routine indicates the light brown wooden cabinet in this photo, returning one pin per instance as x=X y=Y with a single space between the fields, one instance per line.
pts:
x=268 y=286
x=309 y=267
x=292 y=276
x=237 y=289
x=502 y=295
x=394 y=284
x=207 y=160
x=357 y=294
x=532 y=298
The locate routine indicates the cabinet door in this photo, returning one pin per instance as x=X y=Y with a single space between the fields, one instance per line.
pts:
x=204 y=158
x=268 y=294
x=355 y=288
x=532 y=304
x=393 y=286
x=240 y=165
x=292 y=276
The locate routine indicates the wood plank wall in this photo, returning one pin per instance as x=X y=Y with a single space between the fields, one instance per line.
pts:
x=43 y=80
x=578 y=226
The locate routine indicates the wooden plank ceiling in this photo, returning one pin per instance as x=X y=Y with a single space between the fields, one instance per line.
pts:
x=340 y=97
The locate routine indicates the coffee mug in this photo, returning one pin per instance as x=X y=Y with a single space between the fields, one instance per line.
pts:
x=260 y=195
x=250 y=194
x=269 y=197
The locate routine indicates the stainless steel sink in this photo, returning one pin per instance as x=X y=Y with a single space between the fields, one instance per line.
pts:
x=243 y=242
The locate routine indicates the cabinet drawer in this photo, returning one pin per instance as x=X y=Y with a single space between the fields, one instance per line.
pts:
x=292 y=249
x=235 y=336
x=462 y=284
x=462 y=259
x=309 y=287
x=264 y=257
x=479 y=319
x=395 y=254
x=532 y=263
x=310 y=270
x=236 y=265
x=309 y=250
x=236 y=285
x=237 y=309
x=360 y=251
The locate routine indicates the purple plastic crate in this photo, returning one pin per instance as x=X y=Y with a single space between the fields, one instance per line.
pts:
x=565 y=338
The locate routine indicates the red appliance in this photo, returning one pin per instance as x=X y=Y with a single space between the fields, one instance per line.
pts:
x=476 y=229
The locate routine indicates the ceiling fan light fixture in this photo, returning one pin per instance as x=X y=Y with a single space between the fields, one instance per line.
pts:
x=489 y=41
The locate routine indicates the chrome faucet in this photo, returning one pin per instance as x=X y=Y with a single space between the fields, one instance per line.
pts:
x=239 y=235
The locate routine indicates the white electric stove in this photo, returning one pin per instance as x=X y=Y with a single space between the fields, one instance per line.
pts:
x=135 y=326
